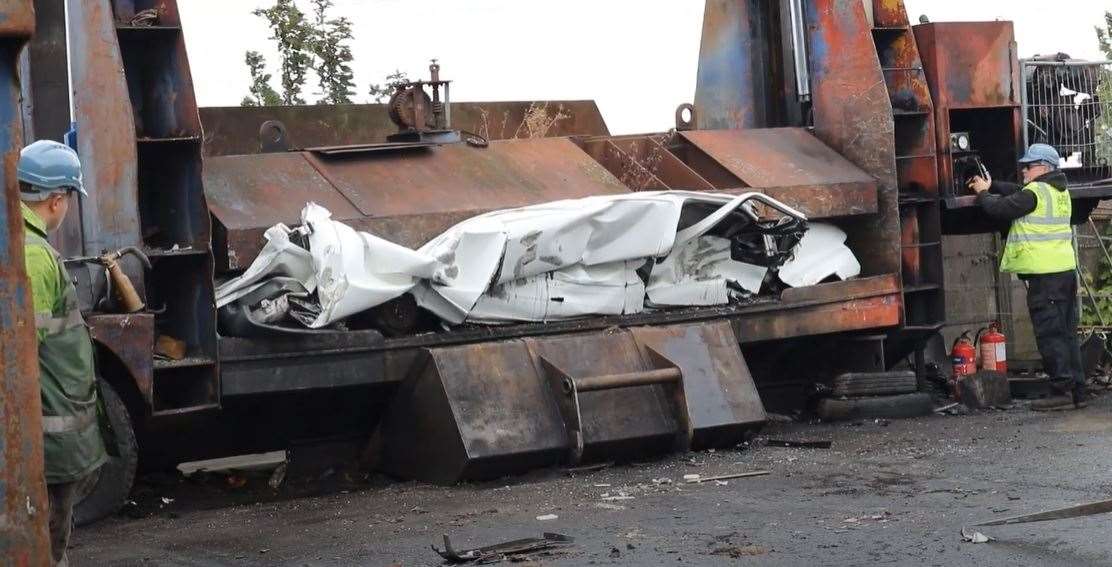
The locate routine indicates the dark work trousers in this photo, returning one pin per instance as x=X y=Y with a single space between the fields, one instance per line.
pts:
x=62 y=498
x=1052 y=302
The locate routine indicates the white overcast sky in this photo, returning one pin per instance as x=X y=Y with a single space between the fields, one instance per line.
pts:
x=636 y=58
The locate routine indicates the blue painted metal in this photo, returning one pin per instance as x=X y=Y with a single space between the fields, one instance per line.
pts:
x=725 y=95
x=23 y=509
x=70 y=138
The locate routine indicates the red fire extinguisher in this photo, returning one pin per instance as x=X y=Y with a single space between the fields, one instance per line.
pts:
x=964 y=357
x=993 y=347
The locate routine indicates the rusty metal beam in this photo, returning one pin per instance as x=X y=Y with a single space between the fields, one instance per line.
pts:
x=24 y=538
x=106 y=139
x=234 y=130
x=853 y=115
x=46 y=99
x=793 y=166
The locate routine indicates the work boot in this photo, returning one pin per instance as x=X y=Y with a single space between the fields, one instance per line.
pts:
x=1080 y=397
x=1055 y=402
x=1061 y=397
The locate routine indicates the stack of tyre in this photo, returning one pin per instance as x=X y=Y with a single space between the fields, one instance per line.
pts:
x=875 y=395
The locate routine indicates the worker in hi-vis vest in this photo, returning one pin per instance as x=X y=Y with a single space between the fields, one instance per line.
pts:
x=1039 y=250
x=49 y=174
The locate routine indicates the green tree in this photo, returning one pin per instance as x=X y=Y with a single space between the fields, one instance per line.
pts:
x=1104 y=36
x=330 y=44
x=293 y=36
x=1103 y=127
x=262 y=94
x=1101 y=281
x=380 y=92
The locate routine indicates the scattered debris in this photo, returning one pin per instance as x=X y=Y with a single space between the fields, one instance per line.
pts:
x=662 y=481
x=619 y=496
x=802 y=444
x=725 y=476
x=737 y=552
x=1090 y=509
x=541 y=518
x=881 y=518
x=587 y=468
x=972 y=536
x=278 y=476
x=691 y=477
x=501 y=551
x=946 y=408
x=146 y=18
x=609 y=506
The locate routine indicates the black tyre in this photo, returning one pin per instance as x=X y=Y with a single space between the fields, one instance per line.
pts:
x=853 y=384
x=108 y=492
x=888 y=407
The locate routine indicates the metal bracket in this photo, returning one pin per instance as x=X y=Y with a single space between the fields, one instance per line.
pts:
x=273 y=137
x=685 y=434
x=501 y=551
x=692 y=120
x=566 y=389
x=567 y=399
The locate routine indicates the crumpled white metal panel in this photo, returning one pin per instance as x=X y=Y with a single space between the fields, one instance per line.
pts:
x=279 y=257
x=545 y=262
x=697 y=272
x=822 y=253
x=356 y=270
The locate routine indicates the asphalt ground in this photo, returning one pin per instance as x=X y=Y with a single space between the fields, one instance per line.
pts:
x=884 y=493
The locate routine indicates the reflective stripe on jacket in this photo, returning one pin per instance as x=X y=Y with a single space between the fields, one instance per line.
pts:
x=1042 y=241
x=72 y=443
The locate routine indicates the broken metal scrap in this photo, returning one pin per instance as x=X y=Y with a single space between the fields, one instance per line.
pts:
x=501 y=550
x=1090 y=509
x=698 y=479
x=821 y=444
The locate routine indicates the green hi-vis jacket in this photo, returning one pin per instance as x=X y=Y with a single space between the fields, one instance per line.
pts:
x=72 y=441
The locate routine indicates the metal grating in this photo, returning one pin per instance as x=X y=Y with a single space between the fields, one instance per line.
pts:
x=1068 y=104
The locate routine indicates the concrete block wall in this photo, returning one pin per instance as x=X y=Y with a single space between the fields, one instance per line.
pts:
x=978 y=294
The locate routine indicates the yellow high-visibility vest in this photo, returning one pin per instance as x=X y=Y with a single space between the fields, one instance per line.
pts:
x=1042 y=241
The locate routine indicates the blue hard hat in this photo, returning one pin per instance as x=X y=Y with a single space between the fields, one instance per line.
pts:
x=49 y=167
x=1041 y=153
